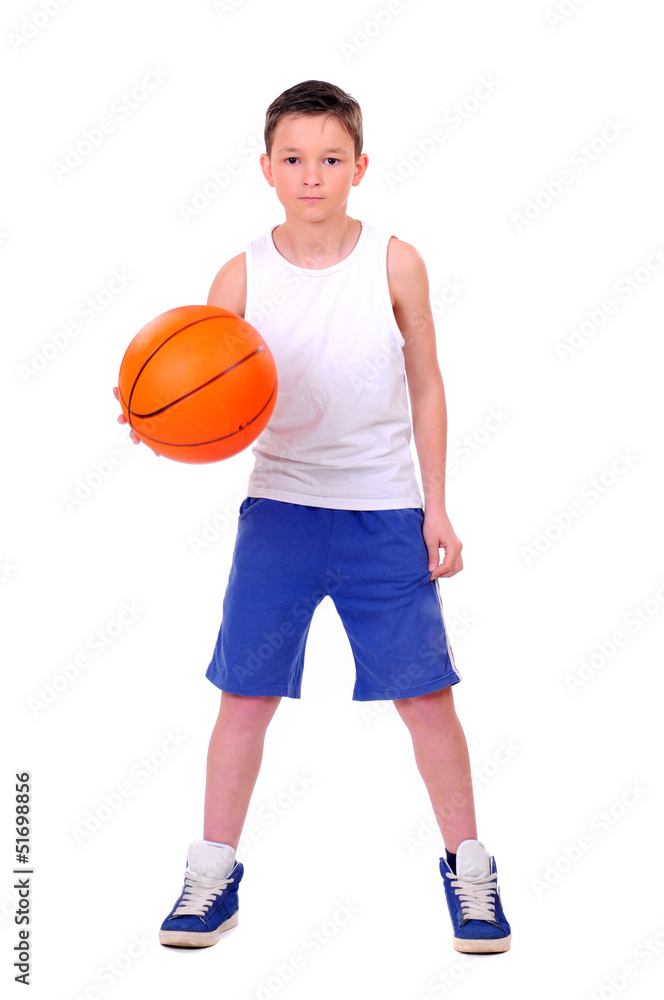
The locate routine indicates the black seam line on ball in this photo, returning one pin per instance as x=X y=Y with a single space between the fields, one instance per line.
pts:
x=203 y=319
x=155 y=413
x=199 y=444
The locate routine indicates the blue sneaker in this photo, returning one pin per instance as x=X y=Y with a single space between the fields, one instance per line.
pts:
x=209 y=902
x=473 y=899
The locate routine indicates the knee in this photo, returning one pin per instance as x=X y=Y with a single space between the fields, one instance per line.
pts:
x=426 y=708
x=248 y=710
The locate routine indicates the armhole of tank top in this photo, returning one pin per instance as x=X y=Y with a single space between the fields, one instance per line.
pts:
x=249 y=268
x=394 y=326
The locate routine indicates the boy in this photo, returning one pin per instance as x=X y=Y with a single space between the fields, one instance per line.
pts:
x=333 y=498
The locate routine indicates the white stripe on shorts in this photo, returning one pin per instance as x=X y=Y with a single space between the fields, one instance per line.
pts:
x=447 y=638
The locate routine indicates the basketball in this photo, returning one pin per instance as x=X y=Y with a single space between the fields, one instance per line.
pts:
x=197 y=384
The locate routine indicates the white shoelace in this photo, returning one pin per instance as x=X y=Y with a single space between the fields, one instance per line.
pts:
x=477 y=896
x=199 y=893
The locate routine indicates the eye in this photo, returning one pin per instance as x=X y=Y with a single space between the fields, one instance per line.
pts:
x=336 y=160
x=290 y=158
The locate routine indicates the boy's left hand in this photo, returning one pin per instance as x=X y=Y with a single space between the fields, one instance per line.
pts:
x=438 y=533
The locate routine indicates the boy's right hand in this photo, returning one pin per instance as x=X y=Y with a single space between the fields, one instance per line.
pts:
x=122 y=420
x=132 y=433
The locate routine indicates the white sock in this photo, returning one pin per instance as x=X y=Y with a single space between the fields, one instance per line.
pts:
x=210 y=858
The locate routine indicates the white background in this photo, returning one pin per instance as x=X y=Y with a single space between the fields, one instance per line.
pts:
x=363 y=832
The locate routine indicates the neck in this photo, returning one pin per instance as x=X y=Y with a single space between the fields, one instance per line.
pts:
x=316 y=245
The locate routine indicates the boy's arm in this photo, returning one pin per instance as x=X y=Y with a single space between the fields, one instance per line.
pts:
x=229 y=288
x=409 y=288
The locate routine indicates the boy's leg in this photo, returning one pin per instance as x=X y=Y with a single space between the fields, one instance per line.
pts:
x=233 y=762
x=441 y=754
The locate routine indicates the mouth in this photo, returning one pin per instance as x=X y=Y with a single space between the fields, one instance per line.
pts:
x=311 y=199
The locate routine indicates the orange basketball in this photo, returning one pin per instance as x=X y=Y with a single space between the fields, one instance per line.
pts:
x=198 y=384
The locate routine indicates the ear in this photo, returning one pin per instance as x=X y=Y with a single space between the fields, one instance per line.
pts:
x=360 y=168
x=266 y=167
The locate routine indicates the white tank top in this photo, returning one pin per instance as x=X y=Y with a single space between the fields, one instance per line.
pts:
x=340 y=432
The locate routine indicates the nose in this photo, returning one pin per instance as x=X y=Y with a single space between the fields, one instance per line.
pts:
x=310 y=178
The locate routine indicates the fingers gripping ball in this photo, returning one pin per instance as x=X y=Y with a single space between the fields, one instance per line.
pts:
x=198 y=384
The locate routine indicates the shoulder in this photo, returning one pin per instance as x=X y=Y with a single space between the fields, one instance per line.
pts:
x=229 y=288
x=405 y=268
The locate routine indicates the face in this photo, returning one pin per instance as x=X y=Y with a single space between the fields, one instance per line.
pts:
x=313 y=166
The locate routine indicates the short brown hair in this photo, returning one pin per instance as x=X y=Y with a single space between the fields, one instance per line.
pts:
x=316 y=97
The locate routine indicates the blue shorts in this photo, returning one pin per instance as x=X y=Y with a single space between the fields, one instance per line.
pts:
x=372 y=563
